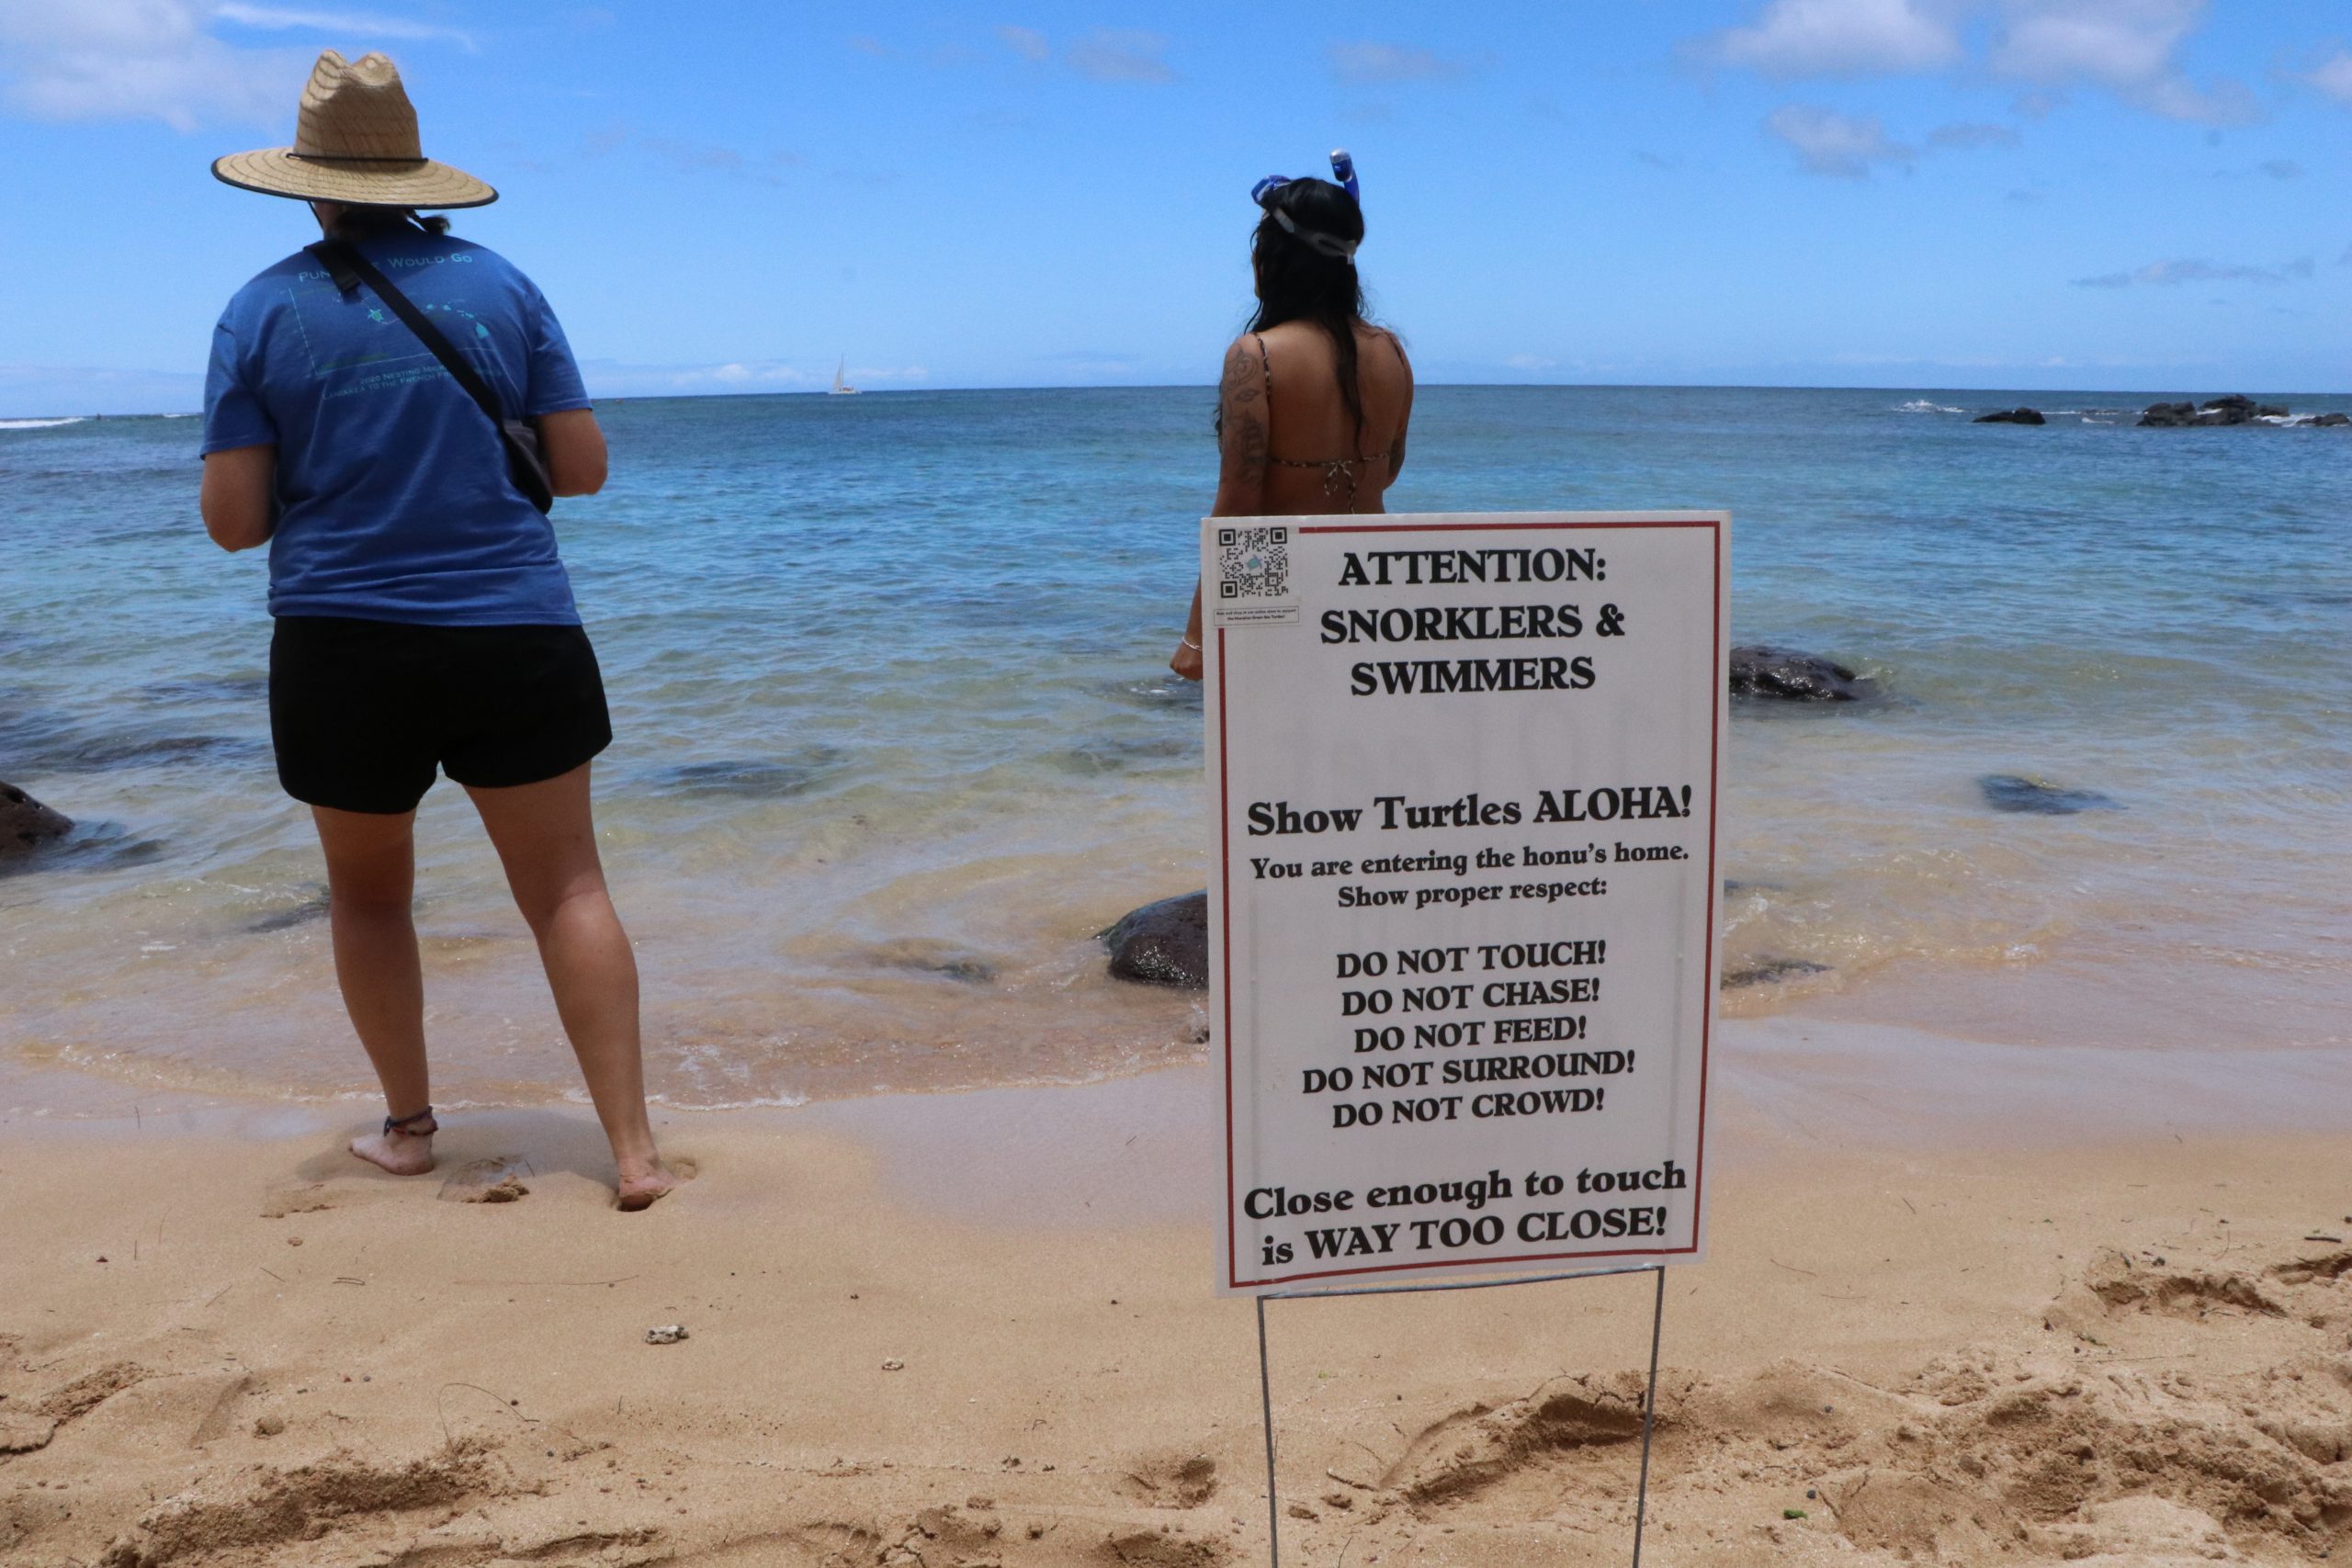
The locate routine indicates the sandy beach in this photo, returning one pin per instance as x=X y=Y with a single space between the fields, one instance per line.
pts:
x=978 y=1329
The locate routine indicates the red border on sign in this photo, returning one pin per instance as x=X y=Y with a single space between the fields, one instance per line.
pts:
x=1707 y=1012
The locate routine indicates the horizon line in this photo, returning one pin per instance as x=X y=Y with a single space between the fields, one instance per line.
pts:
x=1210 y=387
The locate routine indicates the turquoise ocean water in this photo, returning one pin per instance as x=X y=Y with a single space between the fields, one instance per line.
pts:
x=896 y=735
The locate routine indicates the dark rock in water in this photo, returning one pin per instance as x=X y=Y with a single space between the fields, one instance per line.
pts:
x=243 y=688
x=925 y=957
x=314 y=907
x=26 y=824
x=2008 y=791
x=1165 y=943
x=1765 y=971
x=91 y=846
x=2231 y=410
x=1121 y=755
x=135 y=750
x=1758 y=670
x=2012 y=417
x=2330 y=419
x=755 y=778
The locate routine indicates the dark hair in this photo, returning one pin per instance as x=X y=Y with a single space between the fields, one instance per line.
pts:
x=1297 y=282
x=358 y=222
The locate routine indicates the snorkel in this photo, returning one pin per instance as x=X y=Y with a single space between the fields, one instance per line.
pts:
x=1343 y=175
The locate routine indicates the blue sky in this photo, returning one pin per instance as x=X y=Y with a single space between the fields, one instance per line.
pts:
x=722 y=195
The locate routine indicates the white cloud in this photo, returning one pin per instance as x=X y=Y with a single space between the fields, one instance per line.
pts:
x=1366 y=62
x=1088 y=365
x=2105 y=40
x=76 y=60
x=1026 y=42
x=358 y=26
x=2174 y=271
x=1115 y=54
x=2124 y=46
x=2333 y=76
x=91 y=60
x=2129 y=48
x=1966 y=136
x=1829 y=142
x=1842 y=37
x=614 y=378
x=1105 y=54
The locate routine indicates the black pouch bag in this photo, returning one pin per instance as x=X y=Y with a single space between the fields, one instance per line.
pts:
x=349 y=269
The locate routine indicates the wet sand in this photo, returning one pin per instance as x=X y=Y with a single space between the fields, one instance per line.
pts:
x=1964 y=1302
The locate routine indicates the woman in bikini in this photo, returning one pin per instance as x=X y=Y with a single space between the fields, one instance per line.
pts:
x=1313 y=402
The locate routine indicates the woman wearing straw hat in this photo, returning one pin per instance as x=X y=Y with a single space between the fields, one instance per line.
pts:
x=370 y=413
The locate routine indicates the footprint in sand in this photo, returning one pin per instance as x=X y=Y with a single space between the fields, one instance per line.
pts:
x=317 y=1197
x=1170 y=1480
x=498 y=1179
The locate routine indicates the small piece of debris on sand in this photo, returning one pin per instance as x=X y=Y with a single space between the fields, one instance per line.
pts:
x=894 y=1365
x=668 y=1334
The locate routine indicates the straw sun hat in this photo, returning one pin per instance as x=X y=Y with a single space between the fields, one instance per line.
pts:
x=355 y=141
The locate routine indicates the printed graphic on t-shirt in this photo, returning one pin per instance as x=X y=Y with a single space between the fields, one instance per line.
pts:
x=390 y=354
x=395 y=500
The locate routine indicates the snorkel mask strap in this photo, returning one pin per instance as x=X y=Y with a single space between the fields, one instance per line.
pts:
x=1321 y=244
x=1343 y=174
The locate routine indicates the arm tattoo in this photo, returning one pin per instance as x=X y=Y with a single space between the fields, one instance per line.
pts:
x=1249 y=451
x=1241 y=386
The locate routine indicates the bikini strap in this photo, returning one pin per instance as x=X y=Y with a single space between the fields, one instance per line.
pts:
x=1267 y=361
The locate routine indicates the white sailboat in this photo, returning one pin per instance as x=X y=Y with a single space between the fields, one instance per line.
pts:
x=842 y=389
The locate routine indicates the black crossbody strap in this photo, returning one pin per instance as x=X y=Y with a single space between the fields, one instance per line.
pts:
x=348 y=268
x=526 y=463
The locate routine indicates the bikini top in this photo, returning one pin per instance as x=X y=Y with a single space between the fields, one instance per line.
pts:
x=1342 y=476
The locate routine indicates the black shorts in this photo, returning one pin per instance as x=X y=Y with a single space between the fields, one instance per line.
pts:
x=362 y=712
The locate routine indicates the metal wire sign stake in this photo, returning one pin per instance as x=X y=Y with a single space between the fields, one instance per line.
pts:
x=1462 y=918
x=1649 y=1398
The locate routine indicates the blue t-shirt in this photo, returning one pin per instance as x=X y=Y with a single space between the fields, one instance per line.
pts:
x=394 y=501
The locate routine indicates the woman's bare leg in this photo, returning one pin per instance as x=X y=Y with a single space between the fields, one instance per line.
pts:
x=547 y=840
x=371 y=880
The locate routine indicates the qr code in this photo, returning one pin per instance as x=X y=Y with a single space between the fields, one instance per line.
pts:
x=1252 y=563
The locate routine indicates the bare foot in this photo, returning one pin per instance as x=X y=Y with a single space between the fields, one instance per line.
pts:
x=402 y=1153
x=642 y=1183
